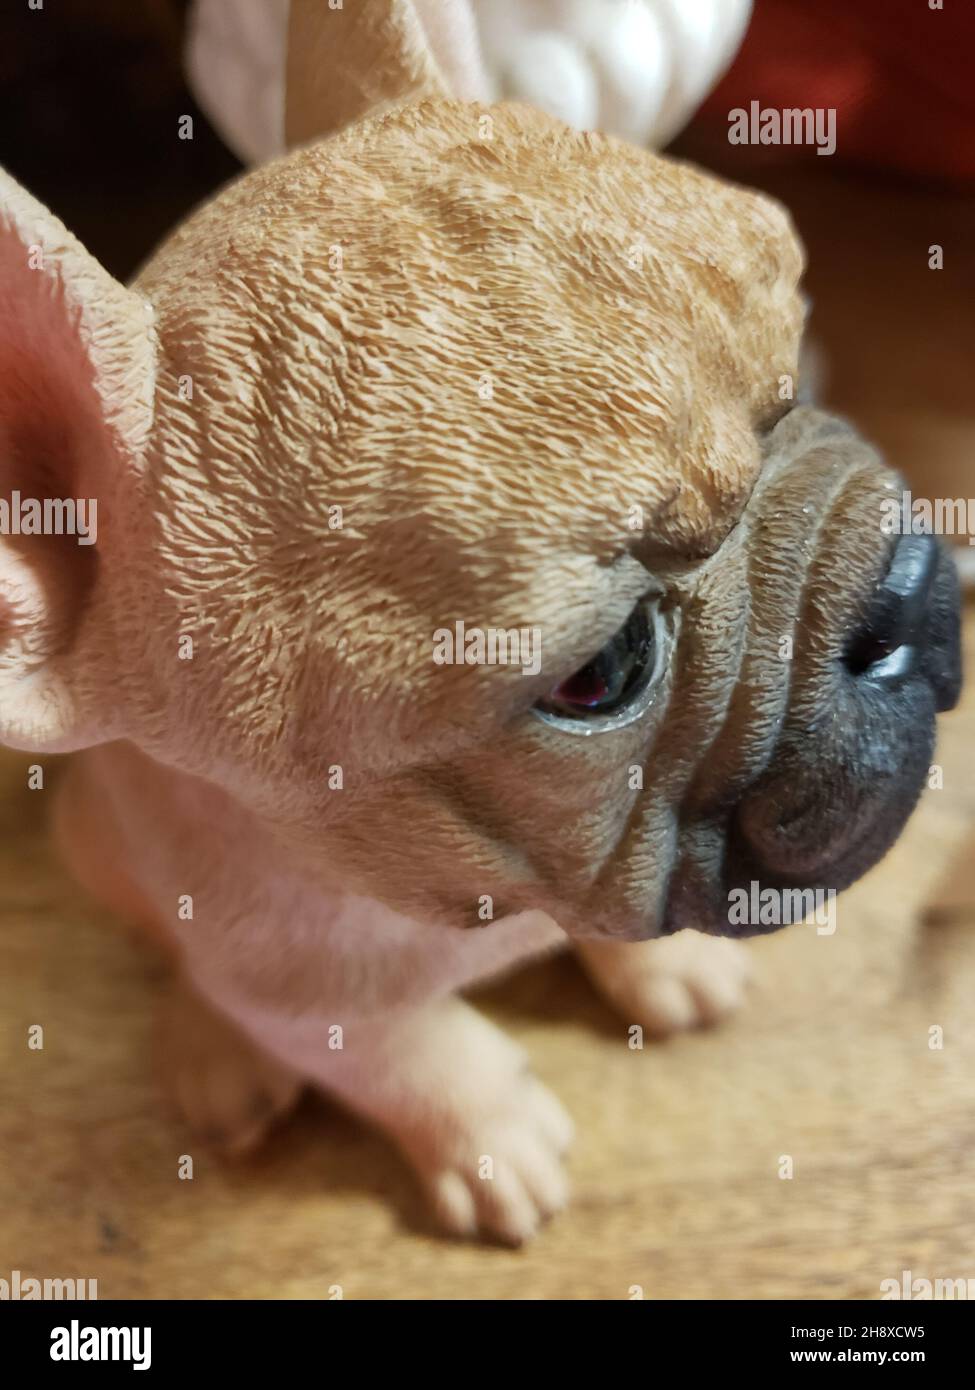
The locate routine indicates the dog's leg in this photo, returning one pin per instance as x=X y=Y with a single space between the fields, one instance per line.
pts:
x=87 y=840
x=485 y=1137
x=229 y=1090
x=674 y=982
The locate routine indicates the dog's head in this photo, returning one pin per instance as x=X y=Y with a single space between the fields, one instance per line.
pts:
x=454 y=515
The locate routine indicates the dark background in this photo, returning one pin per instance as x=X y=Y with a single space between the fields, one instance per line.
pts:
x=91 y=93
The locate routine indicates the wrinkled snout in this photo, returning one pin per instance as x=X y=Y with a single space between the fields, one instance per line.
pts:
x=851 y=649
x=846 y=776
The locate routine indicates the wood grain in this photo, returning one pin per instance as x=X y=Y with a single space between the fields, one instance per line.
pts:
x=676 y=1167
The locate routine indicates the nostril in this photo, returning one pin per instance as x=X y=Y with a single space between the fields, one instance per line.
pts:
x=868 y=649
x=892 y=624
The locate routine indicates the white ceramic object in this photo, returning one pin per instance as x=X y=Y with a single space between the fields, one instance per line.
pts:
x=637 y=68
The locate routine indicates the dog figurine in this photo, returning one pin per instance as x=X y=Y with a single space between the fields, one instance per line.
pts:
x=451 y=382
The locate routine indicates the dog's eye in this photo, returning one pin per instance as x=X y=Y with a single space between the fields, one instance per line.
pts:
x=618 y=684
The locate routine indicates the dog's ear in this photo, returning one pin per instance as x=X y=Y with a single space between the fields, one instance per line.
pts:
x=360 y=59
x=76 y=381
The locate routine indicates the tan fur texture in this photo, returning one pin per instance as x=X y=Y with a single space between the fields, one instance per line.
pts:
x=453 y=363
x=315 y=387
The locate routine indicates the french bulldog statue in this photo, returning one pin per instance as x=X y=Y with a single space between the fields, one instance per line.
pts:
x=466 y=580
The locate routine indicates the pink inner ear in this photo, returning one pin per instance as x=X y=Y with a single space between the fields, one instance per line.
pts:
x=52 y=436
x=76 y=375
x=52 y=446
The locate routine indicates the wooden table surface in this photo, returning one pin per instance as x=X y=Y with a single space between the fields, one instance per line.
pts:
x=676 y=1169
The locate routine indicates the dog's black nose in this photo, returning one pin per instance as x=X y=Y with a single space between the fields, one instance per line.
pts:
x=912 y=622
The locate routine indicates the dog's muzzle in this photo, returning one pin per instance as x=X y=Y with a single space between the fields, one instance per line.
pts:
x=839 y=791
x=846 y=735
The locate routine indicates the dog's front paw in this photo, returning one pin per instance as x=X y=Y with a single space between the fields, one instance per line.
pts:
x=496 y=1167
x=484 y=1136
x=228 y=1090
x=675 y=982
